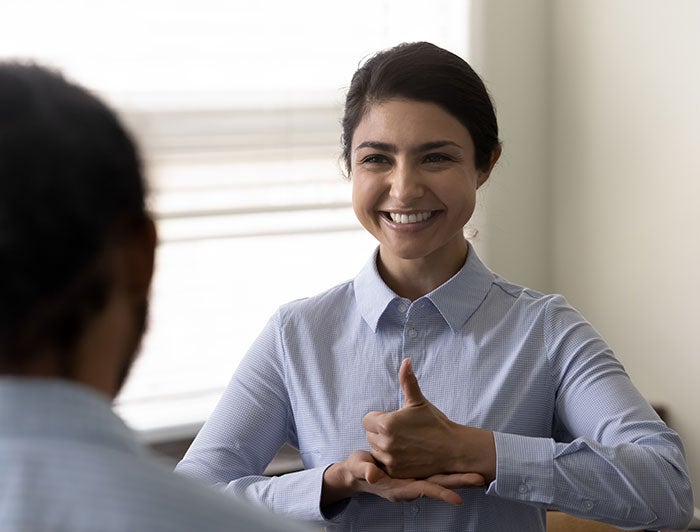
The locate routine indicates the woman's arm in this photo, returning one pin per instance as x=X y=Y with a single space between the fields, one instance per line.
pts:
x=624 y=465
x=252 y=420
x=619 y=463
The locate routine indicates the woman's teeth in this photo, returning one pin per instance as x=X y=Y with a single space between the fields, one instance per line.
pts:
x=409 y=218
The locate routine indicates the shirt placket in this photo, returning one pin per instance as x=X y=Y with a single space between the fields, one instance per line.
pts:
x=413 y=333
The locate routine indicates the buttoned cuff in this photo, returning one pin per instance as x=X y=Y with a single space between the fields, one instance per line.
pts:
x=524 y=468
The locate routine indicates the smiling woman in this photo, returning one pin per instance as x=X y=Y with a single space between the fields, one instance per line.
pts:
x=428 y=392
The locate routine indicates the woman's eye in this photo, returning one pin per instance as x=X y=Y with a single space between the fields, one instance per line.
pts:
x=436 y=158
x=374 y=159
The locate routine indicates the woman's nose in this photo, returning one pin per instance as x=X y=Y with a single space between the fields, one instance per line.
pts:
x=406 y=184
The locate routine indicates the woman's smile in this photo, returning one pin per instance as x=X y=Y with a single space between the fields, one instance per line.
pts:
x=402 y=218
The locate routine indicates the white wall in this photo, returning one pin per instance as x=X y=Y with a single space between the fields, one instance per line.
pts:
x=599 y=197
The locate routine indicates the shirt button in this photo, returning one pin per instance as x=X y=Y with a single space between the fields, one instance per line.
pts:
x=412 y=333
x=403 y=307
x=523 y=488
x=415 y=509
x=588 y=505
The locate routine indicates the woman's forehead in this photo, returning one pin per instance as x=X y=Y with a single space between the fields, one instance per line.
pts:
x=409 y=122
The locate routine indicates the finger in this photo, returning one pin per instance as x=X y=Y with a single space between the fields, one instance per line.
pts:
x=423 y=488
x=376 y=441
x=380 y=457
x=450 y=497
x=374 y=474
x=458 y=480
x=362 y=465
x=397 y=490
x=370 y=421
x=409 y=384
x=376 y=448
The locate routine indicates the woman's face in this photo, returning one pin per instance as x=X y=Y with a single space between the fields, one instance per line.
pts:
x=414 y=182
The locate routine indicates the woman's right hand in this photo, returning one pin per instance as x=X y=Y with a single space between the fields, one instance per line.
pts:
x=360 y=473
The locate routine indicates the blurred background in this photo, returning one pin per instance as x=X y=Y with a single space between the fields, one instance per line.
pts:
x=237 y=107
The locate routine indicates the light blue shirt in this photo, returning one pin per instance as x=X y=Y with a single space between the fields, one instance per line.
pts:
x=69 y=464
x=571 y=431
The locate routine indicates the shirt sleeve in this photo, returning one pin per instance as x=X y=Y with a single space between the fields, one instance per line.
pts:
x=252 y=420
x=617 y=461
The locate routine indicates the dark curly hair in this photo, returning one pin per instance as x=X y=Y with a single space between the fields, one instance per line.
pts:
x=423 y=72
x=70 y=181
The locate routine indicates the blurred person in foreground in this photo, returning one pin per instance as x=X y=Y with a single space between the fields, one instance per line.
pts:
x=76 y=258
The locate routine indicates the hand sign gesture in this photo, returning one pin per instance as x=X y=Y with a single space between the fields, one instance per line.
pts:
x=413 y=454
x=419 y=441
x=360 y=473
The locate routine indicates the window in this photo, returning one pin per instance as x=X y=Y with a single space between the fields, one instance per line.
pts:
x=237 y=108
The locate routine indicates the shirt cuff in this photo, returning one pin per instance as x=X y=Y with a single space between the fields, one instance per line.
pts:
x=524 y=468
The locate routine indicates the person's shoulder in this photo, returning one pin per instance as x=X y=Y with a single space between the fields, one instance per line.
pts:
x=529 y=298
x=178 y=504
x=320 y=304
x=518 y=292
x=90 y=485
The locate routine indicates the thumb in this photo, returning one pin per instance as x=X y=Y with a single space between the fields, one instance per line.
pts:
x=373 y=474
x=409 y=385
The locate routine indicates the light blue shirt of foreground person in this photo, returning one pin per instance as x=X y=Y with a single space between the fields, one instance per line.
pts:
x=571 y=431
x=69 y=464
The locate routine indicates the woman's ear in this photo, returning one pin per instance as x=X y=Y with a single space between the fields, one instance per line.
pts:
x=484 y=174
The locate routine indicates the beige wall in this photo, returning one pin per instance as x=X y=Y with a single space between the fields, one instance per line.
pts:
x=514 y=213
x=599 y=194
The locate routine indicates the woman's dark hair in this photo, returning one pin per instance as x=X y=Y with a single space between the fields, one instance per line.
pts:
x=70 y=182
x=424 y=72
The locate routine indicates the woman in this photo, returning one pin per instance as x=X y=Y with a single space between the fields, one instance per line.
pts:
x=429 y=393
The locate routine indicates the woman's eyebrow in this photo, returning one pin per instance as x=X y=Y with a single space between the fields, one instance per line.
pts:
x=376 y=145
x=391 y=148
x=427 y=146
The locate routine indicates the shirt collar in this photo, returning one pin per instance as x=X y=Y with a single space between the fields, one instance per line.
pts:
x=459 y=297
x=372 y=294
x=456 y=299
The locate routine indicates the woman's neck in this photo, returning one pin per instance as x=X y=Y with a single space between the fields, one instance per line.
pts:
x=414 y=278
